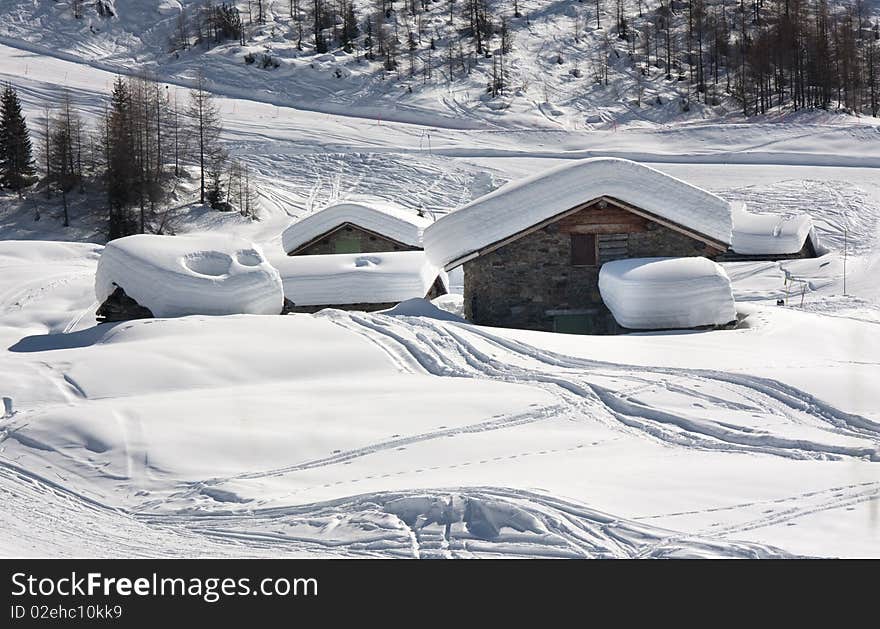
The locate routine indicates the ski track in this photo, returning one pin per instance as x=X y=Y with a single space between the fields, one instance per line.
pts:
x=456 y=350
x=51 y=520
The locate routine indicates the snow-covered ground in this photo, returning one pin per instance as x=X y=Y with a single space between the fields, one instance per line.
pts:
x=351 y=434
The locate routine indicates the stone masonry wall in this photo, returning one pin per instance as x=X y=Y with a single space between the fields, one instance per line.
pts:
x=527 y=282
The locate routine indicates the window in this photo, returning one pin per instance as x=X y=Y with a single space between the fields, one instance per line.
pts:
x=583 y=250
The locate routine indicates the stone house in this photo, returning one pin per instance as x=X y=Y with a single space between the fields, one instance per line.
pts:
x=355 y=227
x=531 y=251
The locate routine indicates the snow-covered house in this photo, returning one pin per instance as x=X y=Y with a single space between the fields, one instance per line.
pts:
x=359 y=281
x=145 y=276
x=355 y=227
x=532 y=249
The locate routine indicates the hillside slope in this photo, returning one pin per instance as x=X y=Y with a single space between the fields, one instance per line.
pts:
x=560 y=72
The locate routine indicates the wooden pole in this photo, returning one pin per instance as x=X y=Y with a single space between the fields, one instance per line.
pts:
x=845 y=246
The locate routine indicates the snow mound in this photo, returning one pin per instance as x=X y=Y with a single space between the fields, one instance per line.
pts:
x=382 y=218
x=664 y=293
x=422 y=308
x=525 y=203
x=175 y=276
x=357 y=278
x=756 y=234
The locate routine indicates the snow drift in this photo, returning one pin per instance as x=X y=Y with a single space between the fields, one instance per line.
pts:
x=664 y=293
x=523 y=204
x=770 y=234
x=183 y=275
x=357 y=278
x=383 y=218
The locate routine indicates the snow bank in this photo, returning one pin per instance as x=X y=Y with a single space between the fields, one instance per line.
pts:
x=663 y=293
x=756 y=234
x=422 y=308
x=522 y=204
x=183 y=275
x=385 y=219
x=357 y=278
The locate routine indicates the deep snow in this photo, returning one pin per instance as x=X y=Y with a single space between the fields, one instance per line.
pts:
x=346 y=434
x=357 y=278
x=175 y=276
x=667 y=293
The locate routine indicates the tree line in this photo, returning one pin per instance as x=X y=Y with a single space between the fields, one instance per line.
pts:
x=135 y=156
x=765 y=53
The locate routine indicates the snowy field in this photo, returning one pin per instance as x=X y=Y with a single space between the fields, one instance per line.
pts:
x=358 y=435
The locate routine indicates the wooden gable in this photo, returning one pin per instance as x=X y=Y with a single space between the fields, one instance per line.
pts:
x=604 y=217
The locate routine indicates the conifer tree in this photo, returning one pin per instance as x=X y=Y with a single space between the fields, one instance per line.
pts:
x=121 y=167
x=16 y=156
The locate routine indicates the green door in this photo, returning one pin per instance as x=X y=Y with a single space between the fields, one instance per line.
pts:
x=346 y=241
x=573 y=324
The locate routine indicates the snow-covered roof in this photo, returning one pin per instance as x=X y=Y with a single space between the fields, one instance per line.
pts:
x=665 y=293
x=183 y=275
x=774 y=234
x=356 y=278
x=520 y=205
x=387 y=220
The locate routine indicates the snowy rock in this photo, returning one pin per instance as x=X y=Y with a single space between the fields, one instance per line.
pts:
x=385 y=219
x=770 y=234
x=523 y=204
x=357 y=278
x=666 y=293
x=175 y=276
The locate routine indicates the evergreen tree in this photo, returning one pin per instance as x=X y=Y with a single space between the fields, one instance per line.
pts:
x=16 y=158
x=120 y=178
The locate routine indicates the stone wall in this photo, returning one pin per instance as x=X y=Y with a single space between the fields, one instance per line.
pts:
x=530 y=282
x=807 y=251
x=437 y=289
x=357 y=307
x=362 y=240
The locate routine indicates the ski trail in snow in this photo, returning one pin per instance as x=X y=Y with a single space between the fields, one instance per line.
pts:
x=613 y=394
x=458 y=523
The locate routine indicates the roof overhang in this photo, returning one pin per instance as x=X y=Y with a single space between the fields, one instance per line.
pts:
x=341 y=226
x=709 y=241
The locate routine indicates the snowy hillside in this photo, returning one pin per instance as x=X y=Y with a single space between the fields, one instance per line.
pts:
x=562 y=68
x=412 y=433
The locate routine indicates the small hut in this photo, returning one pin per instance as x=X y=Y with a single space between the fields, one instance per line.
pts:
x=355 y=227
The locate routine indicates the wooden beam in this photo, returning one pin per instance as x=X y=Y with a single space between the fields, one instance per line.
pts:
x=715 y=244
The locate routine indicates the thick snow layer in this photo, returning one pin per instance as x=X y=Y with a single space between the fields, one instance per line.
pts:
x=756 y=234
x=522 y=204
x=666 y=293
x=356 y=278
x=183 y=275
x=383 y=218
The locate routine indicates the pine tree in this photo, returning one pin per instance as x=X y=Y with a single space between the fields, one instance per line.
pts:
x=120 y=178
x=16 y=157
